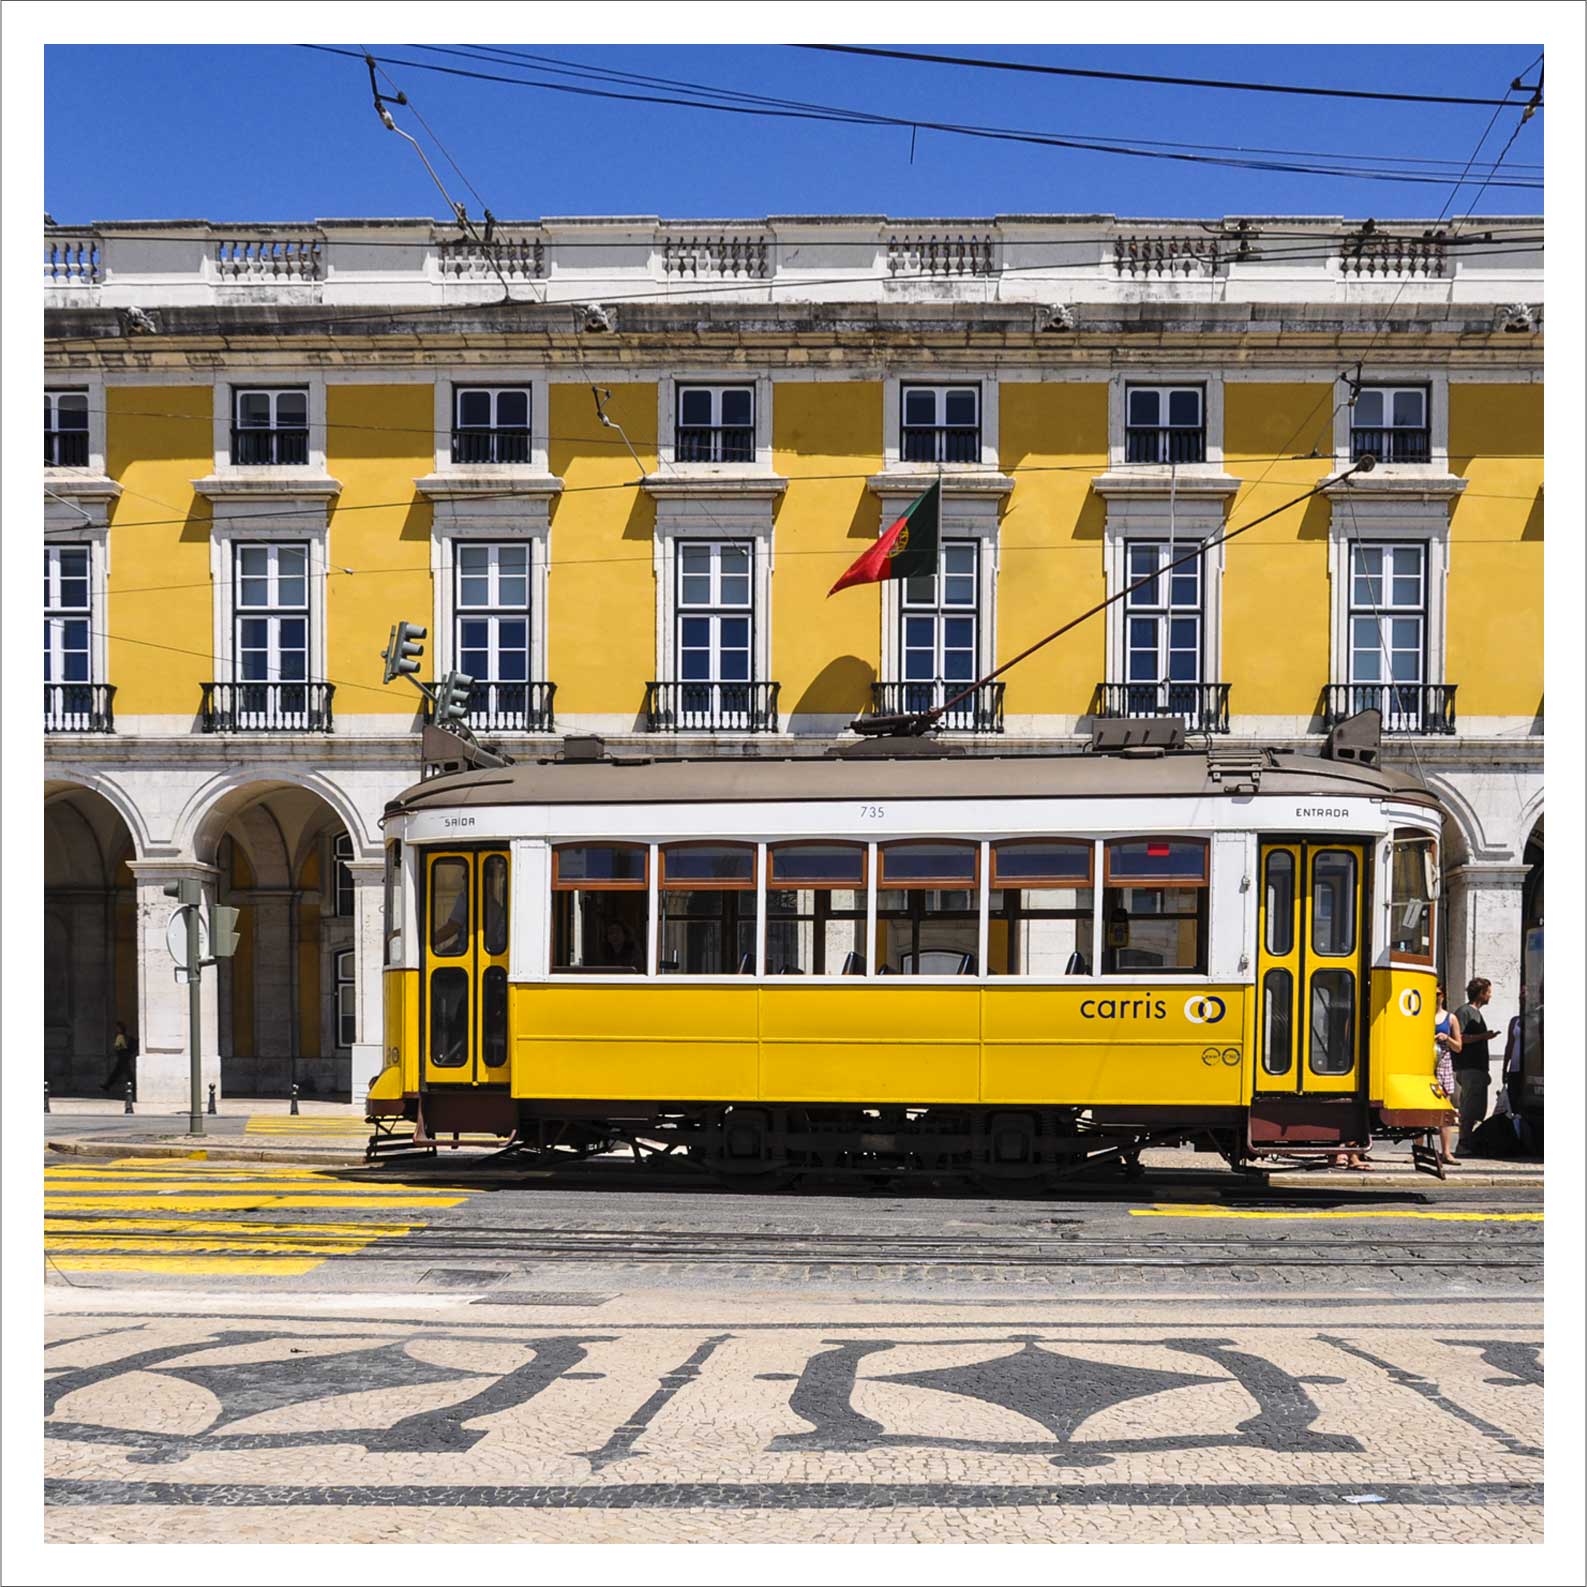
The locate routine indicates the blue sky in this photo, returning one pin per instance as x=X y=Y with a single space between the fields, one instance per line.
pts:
x=276 y=132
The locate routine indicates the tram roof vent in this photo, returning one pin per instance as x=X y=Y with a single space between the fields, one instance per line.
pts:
x=1358 y=739
x=582 y=748
x=1153 y=733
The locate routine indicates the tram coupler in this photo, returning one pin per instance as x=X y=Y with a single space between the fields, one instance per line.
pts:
x=128 y=1107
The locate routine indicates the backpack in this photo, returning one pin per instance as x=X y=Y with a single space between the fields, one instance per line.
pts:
x=132 y=1046
x=1495 y=1137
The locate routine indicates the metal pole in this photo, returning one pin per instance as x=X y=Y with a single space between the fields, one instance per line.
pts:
x=128 y=1107
x=46 y=1096
x=195 y=1118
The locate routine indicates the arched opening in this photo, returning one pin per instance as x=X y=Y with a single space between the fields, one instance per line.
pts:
x=90 y=938
x=287 y=999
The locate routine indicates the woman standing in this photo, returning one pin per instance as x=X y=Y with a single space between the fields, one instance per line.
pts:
x=1446 y=1043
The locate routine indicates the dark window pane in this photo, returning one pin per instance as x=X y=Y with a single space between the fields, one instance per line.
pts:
x=494 y=886
x=512 y=410
x=920 y=407
x=449 y=929
x=449 y=1018
x=292 y=410
x=818 y=862
x=960 y=407
x=1184 y=407
x=694 y=407
x=708 y=862
x=473 y=408
x=1333 y=1024
x=493 y=1015
x=1279 y=903
x=1159 y=859
x=601 y=862
x=908 y=862
x=1333 y=902
x=1041 y=860
x=738 y=407
x=1143 y=408
x=1278 y=992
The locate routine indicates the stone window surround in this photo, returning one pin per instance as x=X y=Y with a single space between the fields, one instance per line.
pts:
x=1405 y=504
x=539 y=384
x=667 y=424
x=1211 y=383
x=240 y=377
x=92 y=384
x=892 y=419
x=1436 y=383
x=77 y=512
x=718 y=508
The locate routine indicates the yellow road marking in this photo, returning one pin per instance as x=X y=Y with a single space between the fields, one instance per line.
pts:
x=261 y=1184
x=1365 y=1212
x=222 y=1226
x=306 y=1125
x=223 y=1202
x=197 y=1266
x=176 y=1168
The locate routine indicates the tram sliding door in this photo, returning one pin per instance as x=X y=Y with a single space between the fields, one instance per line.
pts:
x=1310 y=989
x=465 y=967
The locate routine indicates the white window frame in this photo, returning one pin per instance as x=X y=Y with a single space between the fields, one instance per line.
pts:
x=535 y=537
x=680 y=521
x=716 y=609
x=494 y=390
x=342 y=853
x=244 y=379
x=668 y=388
x=57 y=615
x=496 y=609
x=1209 y=382
x=1165 y=390
x=1164 y=613
x=273 y=611
x=939 y=391
x=1385 y=611
x=54 y=396
x=346 y=996
x=466 y=377
x=714 y=391
x=893 y=387
x=1434 y=383
x=938 y=610
x=224 y=538
x=1389 y=390
x=91 y=386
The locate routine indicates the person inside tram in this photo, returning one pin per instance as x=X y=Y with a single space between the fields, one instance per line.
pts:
x=618 y=948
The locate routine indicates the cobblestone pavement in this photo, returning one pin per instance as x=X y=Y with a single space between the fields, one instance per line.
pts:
x=238 y=1354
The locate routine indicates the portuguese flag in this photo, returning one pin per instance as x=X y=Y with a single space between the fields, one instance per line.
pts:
x=907 y=549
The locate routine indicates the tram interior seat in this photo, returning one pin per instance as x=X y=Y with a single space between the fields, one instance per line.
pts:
x=853 y=964
x=1077 y=965
x=936 y=961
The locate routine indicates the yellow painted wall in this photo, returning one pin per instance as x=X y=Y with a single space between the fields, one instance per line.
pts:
x=378 y=441
x=601 y=616
x=159 y=439
x=825 y=653
x=1494 y=626
x=1051 y=542
x=1275 y=578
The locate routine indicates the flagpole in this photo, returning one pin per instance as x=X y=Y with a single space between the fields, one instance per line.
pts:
x=925 y=718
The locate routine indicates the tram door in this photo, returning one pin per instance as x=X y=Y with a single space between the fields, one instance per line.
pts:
x=1310 y=987
x=465 y=968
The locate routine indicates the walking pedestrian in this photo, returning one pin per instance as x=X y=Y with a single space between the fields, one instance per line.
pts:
x=1446 y=1043
x=1471 y=1072
x=123 y=1050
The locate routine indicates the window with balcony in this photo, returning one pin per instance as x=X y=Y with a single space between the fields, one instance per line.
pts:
x=66 y=429
x=270 y=427
x=1391 y=424
x=939 y=644
x=493 y=637
x=490 y=424
x=1165 y=424
x=715 y=424
x=1387 y=624
x=940 y=424
x=714 y=685
x=73 y=702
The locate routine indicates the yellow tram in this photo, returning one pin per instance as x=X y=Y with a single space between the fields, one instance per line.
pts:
x=1003 y=965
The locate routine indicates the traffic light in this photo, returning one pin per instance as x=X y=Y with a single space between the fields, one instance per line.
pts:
x=403 y=651
x=186 y=891
x=222 y=931
x=451 y=697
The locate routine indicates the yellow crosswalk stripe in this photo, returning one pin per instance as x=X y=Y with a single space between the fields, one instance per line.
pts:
x=1329 y=1212
x=155 y=1234
x=305 y=1124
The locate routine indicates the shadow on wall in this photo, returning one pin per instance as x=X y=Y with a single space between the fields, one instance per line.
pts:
x=1532 y=529
x=843 y=685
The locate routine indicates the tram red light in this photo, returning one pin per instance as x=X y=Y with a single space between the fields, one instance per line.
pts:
x=1157 y=851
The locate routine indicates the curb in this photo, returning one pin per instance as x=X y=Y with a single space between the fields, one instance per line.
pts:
x=331 y=1157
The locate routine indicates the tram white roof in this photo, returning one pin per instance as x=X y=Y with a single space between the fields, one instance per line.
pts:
x=871 y=777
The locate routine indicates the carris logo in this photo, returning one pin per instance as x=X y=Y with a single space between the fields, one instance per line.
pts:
x=1205 y=1010
x=1410 y=1002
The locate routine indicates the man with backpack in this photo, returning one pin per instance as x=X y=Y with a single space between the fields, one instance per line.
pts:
x=123 y=1049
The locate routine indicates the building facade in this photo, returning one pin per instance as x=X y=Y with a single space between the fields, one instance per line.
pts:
x=614 y=466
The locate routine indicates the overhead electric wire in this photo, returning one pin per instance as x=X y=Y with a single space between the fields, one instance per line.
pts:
x=1152 y=77
x=849 y=116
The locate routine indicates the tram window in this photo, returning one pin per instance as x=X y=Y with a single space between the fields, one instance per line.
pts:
x=1040 y=860
x=927 y=930
x=1415 y=886
x=919 y=864
x=1154 y=930
x=493 y=887
x=1279 y=903
x=815 y=909
x=600 y=908
x=449 y=1018
x=707 y=909
x=1180 y=862
x=493 y=1016
x=1044 y=931
x=1333 y=903
x=1333 y=1022
x=1278 y=1041
x=394 y=902
x=449 y=929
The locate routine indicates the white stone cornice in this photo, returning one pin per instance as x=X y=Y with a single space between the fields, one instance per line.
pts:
x=911 y=482
x=1184 y=487
x=502 y=482
x=279 y=485
x=95 y=487
x=1379 y=486
x=714 y=487
x=78 y=502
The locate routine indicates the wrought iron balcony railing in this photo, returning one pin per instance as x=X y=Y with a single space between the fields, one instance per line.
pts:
x=1391 y=446
x=66 y=448
x=980 y=712
x=715 y=444
x=79 y=708
x=510 y=707
x=480 y=445
x=280 y=447
x=711 y=707
x=266 y=707
x=1406 y=707
x=1204 y=706
x=942 y=443
x=1148 y=443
